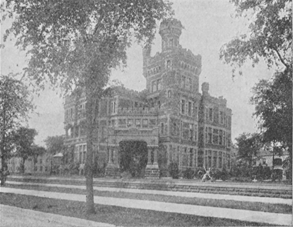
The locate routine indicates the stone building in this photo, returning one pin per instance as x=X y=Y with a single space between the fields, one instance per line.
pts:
x=178 y=123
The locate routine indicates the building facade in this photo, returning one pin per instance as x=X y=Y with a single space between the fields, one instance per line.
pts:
x=179 y=123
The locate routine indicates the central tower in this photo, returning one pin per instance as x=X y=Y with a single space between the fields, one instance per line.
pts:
x=170 y=31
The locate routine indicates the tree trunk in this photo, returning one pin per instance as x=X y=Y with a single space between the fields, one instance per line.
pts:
x=2 y=166
x=90 y=209
x=22 y=168
x=3 y=147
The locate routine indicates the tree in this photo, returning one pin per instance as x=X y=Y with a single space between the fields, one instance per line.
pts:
x=248 y=146
x=273 y=105
x=77 y=43
x=270 y=38
x=55 y=144
x=23 y=139
x=15 y=104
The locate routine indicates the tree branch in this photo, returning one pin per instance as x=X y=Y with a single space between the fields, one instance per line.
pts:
x=280 y=57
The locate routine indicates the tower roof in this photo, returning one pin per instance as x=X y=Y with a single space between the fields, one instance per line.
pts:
x=170 y=26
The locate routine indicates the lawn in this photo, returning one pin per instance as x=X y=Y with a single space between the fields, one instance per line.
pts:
x=116 y=215
x=256 y=206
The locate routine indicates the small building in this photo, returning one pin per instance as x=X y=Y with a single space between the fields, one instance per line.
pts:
x=40 y=164
x=267 y=158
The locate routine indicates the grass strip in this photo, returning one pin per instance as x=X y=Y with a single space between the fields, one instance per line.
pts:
x=116 y=215
x=257 y=206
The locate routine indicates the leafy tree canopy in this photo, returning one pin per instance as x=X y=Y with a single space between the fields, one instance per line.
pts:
x=70 y=42
x=24 y=142
x=273 y=106
x=269 y=37
x=15 y=104
x=248 y=145
x=55 y=144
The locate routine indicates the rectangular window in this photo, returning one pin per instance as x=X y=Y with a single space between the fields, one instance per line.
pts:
x=189 y=108
x=209 y=161
x=138 y=123
x=190 y=84
x=114 y=106
x=122 y=123
x=228 y=140
x=129 y=123
x=154 y=86
x=191 y=157
x=159 y=84
x=162 y=128
x=195 y=111
x=145 y=123
x=80 y=154
x=221 y=117
x=183 y=82
x=84 y=157
x=210 y=134
x=191 y=134
x=215 y=136
x=211 y=114
x=220 y=162
x=220 y=137
x=183 y=106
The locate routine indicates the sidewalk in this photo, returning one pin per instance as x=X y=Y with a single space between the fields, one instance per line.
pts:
x=169 y=193
x=205 y=211
x=15 y=216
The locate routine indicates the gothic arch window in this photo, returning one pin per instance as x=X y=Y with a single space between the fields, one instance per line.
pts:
x=169 y=94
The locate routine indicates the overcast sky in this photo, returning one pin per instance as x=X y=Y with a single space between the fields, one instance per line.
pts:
x=208 y=24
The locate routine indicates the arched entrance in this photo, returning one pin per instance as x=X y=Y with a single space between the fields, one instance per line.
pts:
x=148 y=137
x=133 y=157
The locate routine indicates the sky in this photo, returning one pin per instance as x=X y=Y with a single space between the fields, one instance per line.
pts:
x=208 y=25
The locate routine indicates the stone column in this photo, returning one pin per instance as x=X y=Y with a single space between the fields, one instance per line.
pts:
x=168 y=155
x=149 y=156
x=109 y=156
x=155 y=156
x=152 y=169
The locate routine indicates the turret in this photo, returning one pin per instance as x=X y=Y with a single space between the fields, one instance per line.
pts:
x=205 y=88
x=146 y=54
x=170 y=31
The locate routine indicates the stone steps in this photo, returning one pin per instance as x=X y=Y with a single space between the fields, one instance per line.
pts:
x=285 y=193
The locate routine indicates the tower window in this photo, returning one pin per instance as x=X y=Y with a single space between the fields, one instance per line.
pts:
x=159 y=84
x=183 y=106
x=169 y=64
x=171 y=43
x=189 y=108
x=211 y=114
x=154 y=86
x=183 y=82
x=169 y=94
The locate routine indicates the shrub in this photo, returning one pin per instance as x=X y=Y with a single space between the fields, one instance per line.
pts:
x=99 y=171
x=188 y=173
x=199 y=172
x=173 y=170
x=73 y=168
